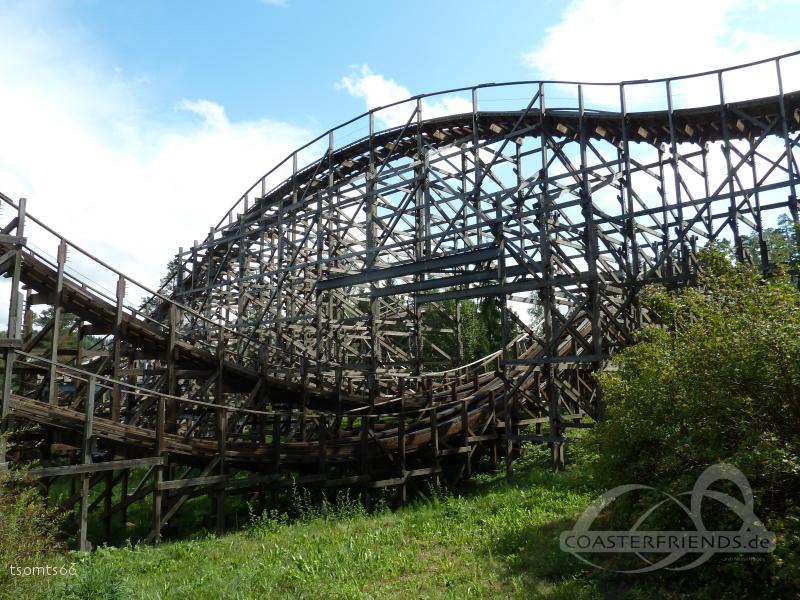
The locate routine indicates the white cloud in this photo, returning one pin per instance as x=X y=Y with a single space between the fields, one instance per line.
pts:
x=616 y=40
x=376 y=90
x=213 y=114
x=82 y=144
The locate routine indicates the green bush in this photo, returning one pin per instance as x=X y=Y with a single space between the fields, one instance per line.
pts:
x=718 y=381
x=28 y=535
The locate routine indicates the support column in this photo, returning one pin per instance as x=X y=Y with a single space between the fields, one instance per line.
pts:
x=401 y=443
x=53 y=385
x=83 y=543
x=222 y=435
x=171 y=415
x=116 y=393
x=158 y=471
x=733 y=212
x=13 y=332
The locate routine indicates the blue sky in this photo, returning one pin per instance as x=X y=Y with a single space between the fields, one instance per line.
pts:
x=122 y=121
x=284 y=59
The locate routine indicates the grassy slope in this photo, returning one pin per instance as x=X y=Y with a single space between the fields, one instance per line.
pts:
x=500 y=541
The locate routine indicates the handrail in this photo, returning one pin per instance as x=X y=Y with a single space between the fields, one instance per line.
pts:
x=373 y=111
x=70 y=371
x=99 y=261
x=483 y=360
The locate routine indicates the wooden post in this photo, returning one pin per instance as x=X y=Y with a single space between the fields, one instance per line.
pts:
x=465 y=431
x=13 y=332
x=276 y=443
x=222 y=433
x=83 y=544
x=435 y=443
x=276 y=453
x=158 y=472
x=401 y=443
x=116 y=358
x=338 y=384
x=62 y=259
x=507 y=435
x=364 y=452
x=171 y=414
x=323 y=435
x=496 y=430
x=107 y=499
x=124 y=498
x=304 y=398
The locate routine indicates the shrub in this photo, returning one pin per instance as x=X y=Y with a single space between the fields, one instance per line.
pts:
x=719 y=381
x=28 y=533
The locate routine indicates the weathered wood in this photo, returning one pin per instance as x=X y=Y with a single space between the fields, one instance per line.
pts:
x=116 y=351
x=222 y=440
x=155 y=534
x=86 y=452
x=291 y=292
x=179 y=484
x=57 y=310
x=100 y=467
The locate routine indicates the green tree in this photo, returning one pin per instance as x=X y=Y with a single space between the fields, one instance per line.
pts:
x=719 y=382
x=780 y=243
x=535 y=310
x=67 y=332
x=481 y=330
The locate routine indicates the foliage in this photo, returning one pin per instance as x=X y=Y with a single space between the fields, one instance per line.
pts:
x=720 y=382
x=67 y=332
x=781 y=243
x=166 y=287
x=28 y=535
x=499 y=542
x=535 y=310
x=481 y=330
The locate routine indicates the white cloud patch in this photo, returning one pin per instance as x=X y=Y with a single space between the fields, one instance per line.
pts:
x=82 y=144
x=623 y=40
x=213 y=114
x=376 y=91
x=616 y=40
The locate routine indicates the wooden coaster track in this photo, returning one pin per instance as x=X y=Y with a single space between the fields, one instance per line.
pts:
x=317 y=337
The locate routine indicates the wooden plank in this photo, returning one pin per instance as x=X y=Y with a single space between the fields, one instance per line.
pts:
x=111 y=465
x=255 y=480
x=453 y=451
x=423 y=472
x=386 y=482
x=14 y=240
x=482 y=438
x=534 y=438
x=179 y=484
x=83 y=542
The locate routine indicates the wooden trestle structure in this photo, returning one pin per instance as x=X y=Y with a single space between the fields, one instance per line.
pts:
x=289 y=346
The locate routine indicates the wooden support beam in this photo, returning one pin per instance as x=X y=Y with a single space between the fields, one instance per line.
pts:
x=155 y=534
x=86 y=451
x=116 y=352
x=222 y=435
x=53 y=382
x=90 y=467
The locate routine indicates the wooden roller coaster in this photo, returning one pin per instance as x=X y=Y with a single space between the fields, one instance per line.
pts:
x=294 y=345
